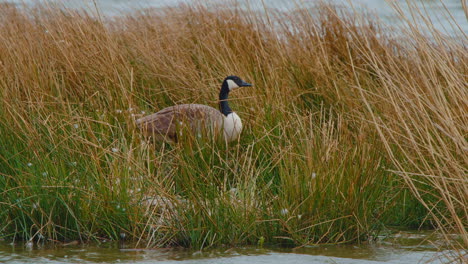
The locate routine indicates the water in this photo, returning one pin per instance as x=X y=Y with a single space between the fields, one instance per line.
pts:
x=453 y=23
x=403 y=247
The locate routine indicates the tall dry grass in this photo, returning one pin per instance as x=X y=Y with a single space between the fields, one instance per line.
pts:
x=349 y=128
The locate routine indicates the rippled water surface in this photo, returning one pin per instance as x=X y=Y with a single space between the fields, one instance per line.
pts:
x=403 y=247
x=453 y=22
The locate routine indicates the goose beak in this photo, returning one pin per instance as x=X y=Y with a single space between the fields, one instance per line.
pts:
x=245 y=84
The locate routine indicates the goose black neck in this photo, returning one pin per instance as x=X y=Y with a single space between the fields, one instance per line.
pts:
x=223 y=97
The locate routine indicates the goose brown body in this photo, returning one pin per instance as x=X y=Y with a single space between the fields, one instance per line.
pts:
x=167 y=123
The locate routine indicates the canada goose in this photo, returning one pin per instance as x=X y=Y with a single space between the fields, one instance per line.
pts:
x=167 y=123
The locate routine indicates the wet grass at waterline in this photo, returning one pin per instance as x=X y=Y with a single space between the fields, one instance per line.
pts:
x=347 y=129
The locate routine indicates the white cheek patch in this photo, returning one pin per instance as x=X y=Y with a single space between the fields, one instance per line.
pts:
x=232 y=84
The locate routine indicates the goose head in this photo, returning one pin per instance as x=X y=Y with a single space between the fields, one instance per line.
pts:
x=230 y=83
x=234 y=82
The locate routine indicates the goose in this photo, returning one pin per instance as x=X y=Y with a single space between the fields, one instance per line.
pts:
x=166 y=124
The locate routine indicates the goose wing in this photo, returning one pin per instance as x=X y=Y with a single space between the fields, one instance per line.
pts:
x=197 y=117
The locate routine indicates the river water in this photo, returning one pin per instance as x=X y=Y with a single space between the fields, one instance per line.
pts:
x=447 y=16
x=402 y=247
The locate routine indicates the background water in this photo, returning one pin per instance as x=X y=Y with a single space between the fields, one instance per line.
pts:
x=447 y=16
